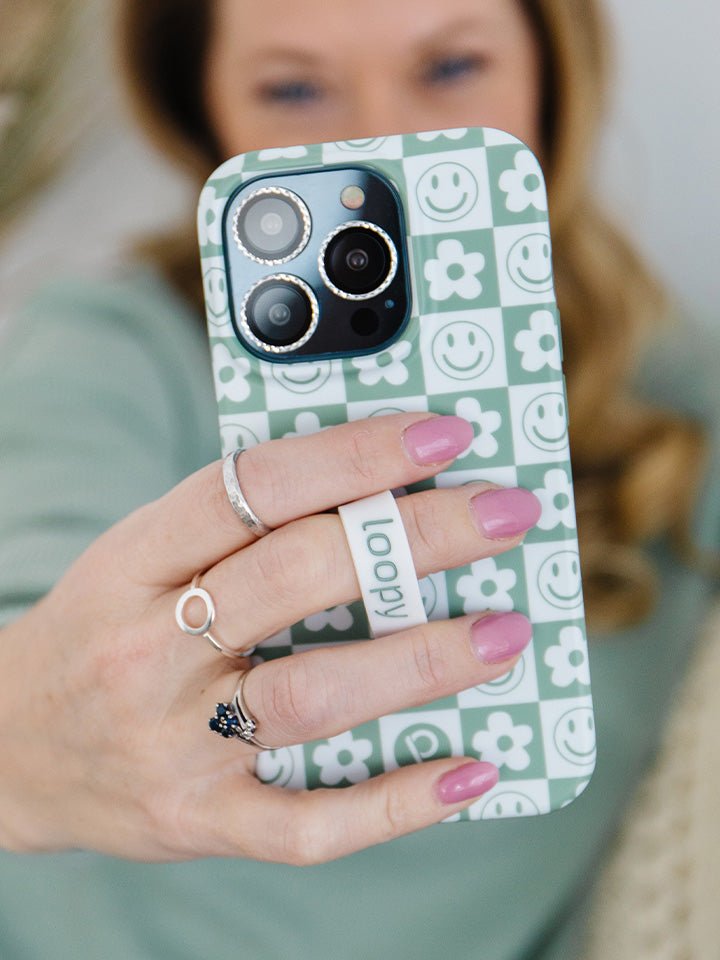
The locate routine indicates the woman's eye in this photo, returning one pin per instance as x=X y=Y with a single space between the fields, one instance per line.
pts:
x=452 y=69
x=291 y=92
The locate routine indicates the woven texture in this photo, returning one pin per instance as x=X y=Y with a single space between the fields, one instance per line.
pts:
x=659 y=898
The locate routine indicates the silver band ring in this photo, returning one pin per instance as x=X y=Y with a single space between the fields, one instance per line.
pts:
x=204 y=629
x=233 y=720
x=236 y=498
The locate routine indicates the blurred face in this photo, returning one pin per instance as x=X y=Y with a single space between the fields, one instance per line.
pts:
x=285 y=72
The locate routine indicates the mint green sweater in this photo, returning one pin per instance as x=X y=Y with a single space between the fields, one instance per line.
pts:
x=105 y=403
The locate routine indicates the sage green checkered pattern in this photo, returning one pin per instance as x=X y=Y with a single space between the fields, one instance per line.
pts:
x=483 y=343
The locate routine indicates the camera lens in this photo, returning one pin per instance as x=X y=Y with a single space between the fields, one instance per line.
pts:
x=279 y=314
x=272 y=225
x=358 y=260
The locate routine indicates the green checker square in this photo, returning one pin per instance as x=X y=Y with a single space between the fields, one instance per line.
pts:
x=281 y=158
x=302 y=422
x=346 y=759
x=508 y=736
x=564 y=791
x=455 y=272
x=517 y=185
x=495 y=583
x=532 y=343
x=347 y=621
x=552 y=485
x=438 y=141
x=489 y=413
x=272 y=652
x=561 y=659
x=238 y=386
x=387 y=376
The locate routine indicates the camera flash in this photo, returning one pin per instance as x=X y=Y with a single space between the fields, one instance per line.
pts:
x=352 y=197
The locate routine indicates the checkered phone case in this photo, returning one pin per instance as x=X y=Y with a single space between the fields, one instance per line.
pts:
x=482 y=342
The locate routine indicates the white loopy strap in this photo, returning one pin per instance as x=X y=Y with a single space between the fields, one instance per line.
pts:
x=383 y=563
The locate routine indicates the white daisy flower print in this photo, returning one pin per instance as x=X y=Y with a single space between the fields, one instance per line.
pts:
x=540 y=344
x=524 y=184
x=387 y=366
x=556 y=497
x=343 y=758
x=568 y=658
x=454 y=272
x=230 y=374
x=503 y=742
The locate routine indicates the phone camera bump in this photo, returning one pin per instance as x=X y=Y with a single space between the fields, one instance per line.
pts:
x=358 y=260
x=271 y=225
x=279 y=314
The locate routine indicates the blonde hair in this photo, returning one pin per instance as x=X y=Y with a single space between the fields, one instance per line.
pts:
x=626 y=456
x=47 y=97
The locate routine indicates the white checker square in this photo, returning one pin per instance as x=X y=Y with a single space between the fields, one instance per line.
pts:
x=517 y=686
x=344 y=151
x=539 y=423
x=524 y=264
x=463 y=351
x=360 y=409
x=243 y=430
x=308 y=384
x=284 y=767
x=553 y=581
x=523 y=798
x=568 y=731
x=448 y=192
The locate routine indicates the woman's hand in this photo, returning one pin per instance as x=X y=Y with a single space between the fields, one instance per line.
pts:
x=105 y=702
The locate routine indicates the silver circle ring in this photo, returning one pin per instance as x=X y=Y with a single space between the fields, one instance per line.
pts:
x=237 y=500
x=203 y=595
x=204 y=629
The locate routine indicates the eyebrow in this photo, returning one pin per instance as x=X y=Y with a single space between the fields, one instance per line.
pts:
x=300 y=57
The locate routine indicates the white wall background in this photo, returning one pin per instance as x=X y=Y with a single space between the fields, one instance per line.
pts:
x=658 y=167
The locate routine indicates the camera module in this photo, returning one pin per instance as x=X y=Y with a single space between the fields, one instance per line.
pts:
x=271 y=225
x=279 y=313
x=358 y=260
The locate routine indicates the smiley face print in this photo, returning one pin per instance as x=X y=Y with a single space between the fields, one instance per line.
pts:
x=301 y=377
x=463 y=350
x=544 y=422
x=529 y=263
x=447 y=192
x=559 y=580
x=574 y=737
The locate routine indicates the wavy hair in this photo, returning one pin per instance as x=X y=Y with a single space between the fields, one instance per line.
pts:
x=624 y=475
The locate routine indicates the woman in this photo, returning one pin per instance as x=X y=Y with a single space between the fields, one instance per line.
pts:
x=102 y=386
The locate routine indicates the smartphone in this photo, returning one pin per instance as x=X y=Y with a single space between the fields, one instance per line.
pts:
x=408 y=273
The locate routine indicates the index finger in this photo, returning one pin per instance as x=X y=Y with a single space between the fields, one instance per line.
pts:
x=194 y=525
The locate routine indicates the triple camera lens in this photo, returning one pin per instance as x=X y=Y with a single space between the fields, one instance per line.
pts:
x=357 y=260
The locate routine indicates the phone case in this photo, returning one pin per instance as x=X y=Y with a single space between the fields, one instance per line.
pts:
x=482 y=342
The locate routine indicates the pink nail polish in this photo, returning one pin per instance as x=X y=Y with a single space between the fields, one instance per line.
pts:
x=437 y=440
x=499 y=636
x=466 y=782
x=506 y=512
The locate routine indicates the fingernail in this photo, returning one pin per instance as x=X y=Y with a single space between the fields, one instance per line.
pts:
x=499 y=636
x=505 y=512
x=437 y=439
x=470 y=780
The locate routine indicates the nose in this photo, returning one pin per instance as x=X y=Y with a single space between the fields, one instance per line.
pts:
x=378 y=109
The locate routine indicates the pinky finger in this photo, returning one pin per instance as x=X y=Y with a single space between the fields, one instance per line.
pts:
x=311 y=827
